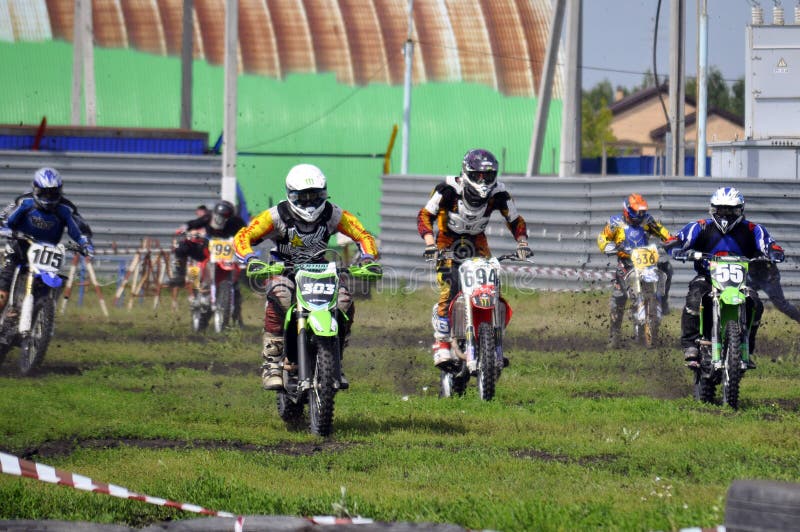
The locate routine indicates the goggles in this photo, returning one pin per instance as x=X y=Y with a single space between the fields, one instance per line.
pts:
x=48 y=194
x=479 y=177
x=312 y=197
x=727 y=211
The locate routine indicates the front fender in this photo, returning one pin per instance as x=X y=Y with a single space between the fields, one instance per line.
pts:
x=322 y=323
x=732 y=296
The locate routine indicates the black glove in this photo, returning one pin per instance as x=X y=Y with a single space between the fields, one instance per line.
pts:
x=430 y=252
x=523 y=250
x=776 y=255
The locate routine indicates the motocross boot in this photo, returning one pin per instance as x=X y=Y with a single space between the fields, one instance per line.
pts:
x=615 y=327
x=177 y=277
x=271 y=371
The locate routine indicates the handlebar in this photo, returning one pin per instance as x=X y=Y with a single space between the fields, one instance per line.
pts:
x=259 y=269
x=18 y=235
x=693 y=255
x=446 y=254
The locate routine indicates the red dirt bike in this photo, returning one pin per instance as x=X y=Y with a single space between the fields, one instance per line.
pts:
x=215 y=287
x=478 y=316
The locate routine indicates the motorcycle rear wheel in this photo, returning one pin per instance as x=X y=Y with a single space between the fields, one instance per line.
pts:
x=4 y=349
x=732 y=370
x=322 y=392
x=35 y=346
x=487 y=361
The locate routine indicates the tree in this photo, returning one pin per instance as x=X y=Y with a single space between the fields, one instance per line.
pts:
x=596 y=128
x=737 y=100
x=719 y=96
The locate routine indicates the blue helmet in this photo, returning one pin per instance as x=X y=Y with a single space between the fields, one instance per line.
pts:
x=47 y=185
x=727 y=208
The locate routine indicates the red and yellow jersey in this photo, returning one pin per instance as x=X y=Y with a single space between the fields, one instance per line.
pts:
x=299 y=241
x=456 y=220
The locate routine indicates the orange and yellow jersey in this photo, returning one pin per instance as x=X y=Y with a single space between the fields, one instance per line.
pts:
x=298 y=241
x=626 y=237
x=457 y=220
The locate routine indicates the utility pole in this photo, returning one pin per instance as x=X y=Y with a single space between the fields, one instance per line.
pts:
x=702 y=85
x=187 y=59
x=408 y=52
x=545 y=89
x=677 y=88
x=228 y=191
x=571 y=117
x=83 y=64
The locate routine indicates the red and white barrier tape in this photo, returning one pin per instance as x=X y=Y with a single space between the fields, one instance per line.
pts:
x=555 y=271
x=11 y=465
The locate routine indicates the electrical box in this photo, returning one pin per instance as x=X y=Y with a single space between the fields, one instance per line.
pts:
x=772 y=82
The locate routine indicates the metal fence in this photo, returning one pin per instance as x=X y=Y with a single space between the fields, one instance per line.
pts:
x=565 y=215
x=124 y=197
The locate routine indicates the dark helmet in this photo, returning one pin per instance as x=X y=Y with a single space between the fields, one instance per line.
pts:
x=221 y=214
x=47 y=185
x=478 y=176
x=635 y=209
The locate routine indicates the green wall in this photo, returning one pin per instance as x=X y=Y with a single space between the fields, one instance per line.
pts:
x=301 y=114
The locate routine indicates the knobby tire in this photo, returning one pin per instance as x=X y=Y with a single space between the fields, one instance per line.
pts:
x=42 y=328
x=487 y=361
x=322 y=392
x=732 y=370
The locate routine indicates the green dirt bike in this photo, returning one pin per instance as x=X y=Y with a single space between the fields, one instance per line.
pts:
x=724 y=328
x=312 y=341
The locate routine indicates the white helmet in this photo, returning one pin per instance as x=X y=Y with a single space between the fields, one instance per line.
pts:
x=306 y=190
x=727 y=208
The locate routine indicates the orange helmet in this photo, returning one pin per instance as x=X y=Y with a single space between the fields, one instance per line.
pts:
x=635 y=209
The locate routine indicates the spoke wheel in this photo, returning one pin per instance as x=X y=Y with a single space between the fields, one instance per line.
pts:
x=322 y=392
x=487 y=361
x=35 y=345
x=732 y=370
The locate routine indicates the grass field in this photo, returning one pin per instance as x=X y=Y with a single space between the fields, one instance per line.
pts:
x=577 y=437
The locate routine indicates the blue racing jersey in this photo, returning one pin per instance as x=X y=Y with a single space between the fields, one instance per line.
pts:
x=47 y=226
x=746 y=239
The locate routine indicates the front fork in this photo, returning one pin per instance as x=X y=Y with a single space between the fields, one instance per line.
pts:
x=469 y=334
x=728 y=313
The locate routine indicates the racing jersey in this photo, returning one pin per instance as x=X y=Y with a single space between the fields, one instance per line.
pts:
x=746 y=239
x=626 y=237
x=298 y=241
x=47 y=226
x=460 y=224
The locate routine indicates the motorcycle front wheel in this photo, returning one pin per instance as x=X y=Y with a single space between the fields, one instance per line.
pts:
x=322 y=391
x=487 y=361
x=34 y=347
x=732 y=371
x=652 y=321
x=224 y=307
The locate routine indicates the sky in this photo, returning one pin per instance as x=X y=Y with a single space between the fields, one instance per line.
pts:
x=618 y=38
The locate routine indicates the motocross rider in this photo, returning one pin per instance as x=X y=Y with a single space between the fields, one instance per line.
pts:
x=42 y=214
x=727 y=232
x=221 y=222
x=461 y=207
x=621 y=234
x=300 y=226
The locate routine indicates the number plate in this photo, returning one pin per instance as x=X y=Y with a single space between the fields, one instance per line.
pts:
x=644 y=257
x=220 y=249
x=45 y=257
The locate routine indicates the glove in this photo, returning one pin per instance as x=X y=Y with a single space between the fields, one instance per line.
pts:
x=365 y=259
x=610 y=249
x=247 y=258
x=776 y=255
x=523 y=250
x=430 y=252
x=87 y=250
